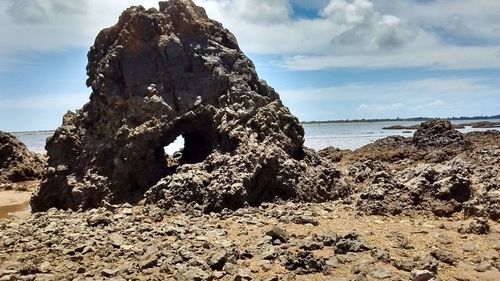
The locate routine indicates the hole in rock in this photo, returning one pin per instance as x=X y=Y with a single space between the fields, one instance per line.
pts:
x=187 y=148
x=173 y=152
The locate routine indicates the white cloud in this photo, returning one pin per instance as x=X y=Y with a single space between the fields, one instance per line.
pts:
x=423 y=90
x=261 y=12
x=40 y=11
x=46 y=25
x=438 y=57
x=346 y=33
x=435 y=103
x=366 y=28
x=435 y=97
x=69 y=7
x=463 y=19
x=362 y=33
x=376 y=109
x=27 y=11
x=353 y=13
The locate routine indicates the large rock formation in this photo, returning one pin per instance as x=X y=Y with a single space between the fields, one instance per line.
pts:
x=434 y=141
x=17 y=163
x=439 y=170
x=157 y=75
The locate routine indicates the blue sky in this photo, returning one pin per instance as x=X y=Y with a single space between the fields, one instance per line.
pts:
x=328 y=59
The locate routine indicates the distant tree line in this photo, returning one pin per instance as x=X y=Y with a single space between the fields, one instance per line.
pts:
x=419 y=119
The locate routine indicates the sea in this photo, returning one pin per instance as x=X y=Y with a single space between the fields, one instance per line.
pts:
x=348 y=135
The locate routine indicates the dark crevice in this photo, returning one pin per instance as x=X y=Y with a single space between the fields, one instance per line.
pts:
x=299 y=154
x=196 y=148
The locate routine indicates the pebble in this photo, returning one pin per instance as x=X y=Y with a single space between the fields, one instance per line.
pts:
x=421 y=275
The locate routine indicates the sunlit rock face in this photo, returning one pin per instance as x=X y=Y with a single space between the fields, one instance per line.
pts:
x=159 y=74
x=17 y=163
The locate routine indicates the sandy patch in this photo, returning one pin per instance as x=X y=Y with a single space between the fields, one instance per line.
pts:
x=14 y=204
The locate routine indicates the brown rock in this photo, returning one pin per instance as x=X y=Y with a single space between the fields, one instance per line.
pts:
x=17 y=163
x=157 y=75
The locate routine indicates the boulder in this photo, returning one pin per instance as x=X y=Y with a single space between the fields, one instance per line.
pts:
x=438 y=133
x=17 y=163
x=160 y=74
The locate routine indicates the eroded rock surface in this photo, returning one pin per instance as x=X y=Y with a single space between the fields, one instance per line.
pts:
x=439 y=170
x=125 y=242
x=157 y=75
x=17 y=163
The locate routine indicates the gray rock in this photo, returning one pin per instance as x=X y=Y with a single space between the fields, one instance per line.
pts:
x=45 y=267
x=116 y=240
x=428 y=262
x=350 y=244
x=243 y=275
x=107 y=272
x=482 y=267
x=404 y=265
x=421 y=275
x=444 y=256
x=270 y=253
x=218 y=259
x=477 y=226
x=305 y=220
x=193 y=274
x=8 y=277
x=278 y=233
x=99 y=219
x=496 y=263
x=445 y=240
x=148 y=261
x=330 y=239
x=332 y=262
x=380 y=254
x=304 y=263
x=310 y=244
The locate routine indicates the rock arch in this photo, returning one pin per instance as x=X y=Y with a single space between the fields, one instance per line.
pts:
x=158 y=74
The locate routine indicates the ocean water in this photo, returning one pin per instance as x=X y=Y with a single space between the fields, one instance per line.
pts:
x=356 y=135
x=317 y=136
x=35 y=141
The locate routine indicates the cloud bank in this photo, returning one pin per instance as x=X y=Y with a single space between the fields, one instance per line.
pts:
x=430 y=97
x=458 y=34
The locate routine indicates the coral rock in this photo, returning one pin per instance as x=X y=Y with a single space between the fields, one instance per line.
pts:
x=157 y=75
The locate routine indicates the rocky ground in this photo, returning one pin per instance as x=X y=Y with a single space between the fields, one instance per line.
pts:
x=287 y=241
x=420 y=208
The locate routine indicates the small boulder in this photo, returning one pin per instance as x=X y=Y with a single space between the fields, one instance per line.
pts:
x=477 y=226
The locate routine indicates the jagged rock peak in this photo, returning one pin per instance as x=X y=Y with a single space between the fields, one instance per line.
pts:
x=157 y=75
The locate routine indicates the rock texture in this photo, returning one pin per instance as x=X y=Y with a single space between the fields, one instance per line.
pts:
x=17 y=163
x=271 y=242
x=157 y=75
x=439 y=170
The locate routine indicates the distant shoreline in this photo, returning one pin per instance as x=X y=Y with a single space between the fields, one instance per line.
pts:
x=414 y=119
x=28 y=132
